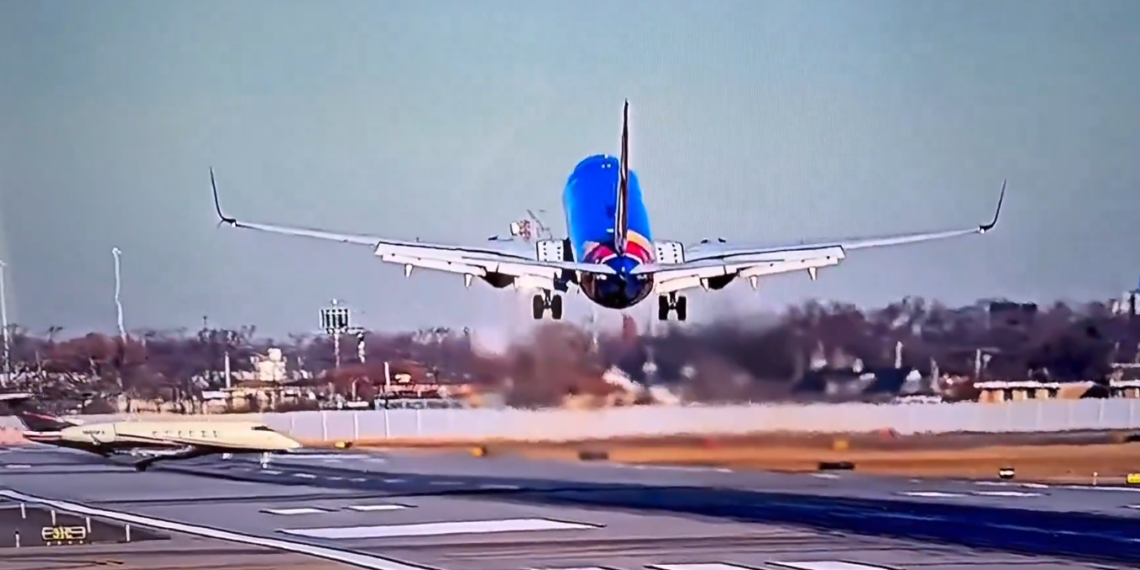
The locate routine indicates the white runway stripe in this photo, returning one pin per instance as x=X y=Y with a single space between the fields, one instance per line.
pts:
x=295 y=511
x=574 y=568
x=828 y=565
x=436 y=529
x=932 y=494
x=1102 y=488
x=1006 y=494
x=358 y=559
x=324 y=456
x=376 y=508
x=701 y=566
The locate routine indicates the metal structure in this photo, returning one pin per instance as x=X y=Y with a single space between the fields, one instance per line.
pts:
x=336 y=321
x=117 y=253
x=531 y=227
x=7 y=331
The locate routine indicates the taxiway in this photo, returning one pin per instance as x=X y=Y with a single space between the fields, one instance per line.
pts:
x=400 y=511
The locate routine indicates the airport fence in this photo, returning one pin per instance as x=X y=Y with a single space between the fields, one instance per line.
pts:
x=566 y=425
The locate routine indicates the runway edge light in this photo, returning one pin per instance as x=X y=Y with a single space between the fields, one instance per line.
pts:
x=1006 y=473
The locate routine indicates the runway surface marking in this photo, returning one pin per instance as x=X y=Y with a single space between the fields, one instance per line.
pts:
x=296 y=511
x=1006 y=494
x=17 y=466
x=436 y=529
x=574 y=568
x=934 y=494
x=357 y=559
x=1102 y=488
x=1047 y=486
x=702 y=566
x=671 y=468
x=828 y=565
x=376 y=508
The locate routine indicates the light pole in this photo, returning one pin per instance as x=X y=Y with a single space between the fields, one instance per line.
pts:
x=118 y=289
x=7 y=333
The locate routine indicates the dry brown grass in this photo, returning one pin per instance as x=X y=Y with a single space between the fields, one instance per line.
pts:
x=1045 y=458
x=1051 y=463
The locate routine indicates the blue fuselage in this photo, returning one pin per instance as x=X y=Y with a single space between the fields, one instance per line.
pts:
x=590 y=204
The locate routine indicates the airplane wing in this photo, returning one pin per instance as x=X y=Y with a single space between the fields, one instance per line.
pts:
x=475 y=260
x=712 y=260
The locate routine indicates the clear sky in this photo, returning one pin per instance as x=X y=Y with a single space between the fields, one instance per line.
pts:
x=756 y=121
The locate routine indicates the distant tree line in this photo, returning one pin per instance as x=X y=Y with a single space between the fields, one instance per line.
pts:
x=754 y=358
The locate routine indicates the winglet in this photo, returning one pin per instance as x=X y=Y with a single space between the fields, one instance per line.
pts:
x=223 y=219
x=997 y=212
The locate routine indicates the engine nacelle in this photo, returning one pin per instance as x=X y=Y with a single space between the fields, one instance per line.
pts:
x=553 y=250
x=669 y=252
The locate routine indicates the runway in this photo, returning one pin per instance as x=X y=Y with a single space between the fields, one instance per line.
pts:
x=454 y=512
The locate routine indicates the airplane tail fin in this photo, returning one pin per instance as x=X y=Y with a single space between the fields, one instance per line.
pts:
x=621 y=210
x=33 y=419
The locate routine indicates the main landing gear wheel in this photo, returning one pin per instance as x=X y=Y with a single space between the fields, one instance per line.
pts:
x=544 y=301
x=672 y=302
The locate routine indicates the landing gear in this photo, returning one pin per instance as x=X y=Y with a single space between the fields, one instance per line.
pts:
x=547 y=300
x=144 y=464
x=672 y=302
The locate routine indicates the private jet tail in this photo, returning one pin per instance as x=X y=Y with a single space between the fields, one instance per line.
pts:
x=24 y=408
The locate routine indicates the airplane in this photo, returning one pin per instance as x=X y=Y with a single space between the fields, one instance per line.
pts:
x=610 y=254
x=156 y=441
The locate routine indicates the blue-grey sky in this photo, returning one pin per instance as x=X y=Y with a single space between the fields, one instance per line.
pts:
x=757 y=121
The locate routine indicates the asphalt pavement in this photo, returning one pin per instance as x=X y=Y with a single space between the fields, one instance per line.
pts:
x=397 y=511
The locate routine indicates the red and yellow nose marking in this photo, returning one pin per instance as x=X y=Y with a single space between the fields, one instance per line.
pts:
x=636 y=247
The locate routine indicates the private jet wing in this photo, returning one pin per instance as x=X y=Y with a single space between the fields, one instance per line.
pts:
x=694 y=267
x=473 y=261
